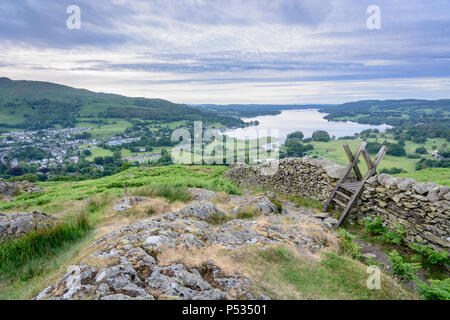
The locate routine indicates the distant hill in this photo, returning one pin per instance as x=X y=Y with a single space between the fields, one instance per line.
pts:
x=39 y=105
x=255 y=110
x=392 y=112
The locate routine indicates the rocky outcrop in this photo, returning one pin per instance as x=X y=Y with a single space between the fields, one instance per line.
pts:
x=128 y=263
x=310 y=177
x=422 y=208
x=128 y=203
x=9 y=189
x=202 y=194
x=19 y=224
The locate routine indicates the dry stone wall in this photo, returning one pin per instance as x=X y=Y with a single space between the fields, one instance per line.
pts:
x=422 y=208
x=314 y=178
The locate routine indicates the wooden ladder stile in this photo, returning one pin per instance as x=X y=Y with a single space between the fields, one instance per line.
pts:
x=355 y=188
x=353 y=161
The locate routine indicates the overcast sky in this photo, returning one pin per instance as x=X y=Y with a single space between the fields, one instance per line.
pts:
x=232 y=51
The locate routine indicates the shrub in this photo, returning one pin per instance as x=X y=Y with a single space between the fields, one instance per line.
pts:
x=347 y=246
x=27 y=177
x=374 y=225
x=401 y=267
x=421 y=150
x=437 y=290
x=392 y=170
x=430 y=256
x=395 y=236
x=278 y=204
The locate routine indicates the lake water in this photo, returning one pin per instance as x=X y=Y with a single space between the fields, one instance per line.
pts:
x=306 y=121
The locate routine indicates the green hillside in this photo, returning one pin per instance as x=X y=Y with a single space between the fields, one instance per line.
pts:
x=40 y=105
x=393 y=112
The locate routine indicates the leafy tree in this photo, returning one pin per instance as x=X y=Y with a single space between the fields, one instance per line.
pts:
x=420 y=139
x=294 y=148
x=16 y=171
x=295 y=135
x=321 y=136
x=421 y=150
x=444 y=153
x=396 y=150
x=99 y=161
x=373 y=147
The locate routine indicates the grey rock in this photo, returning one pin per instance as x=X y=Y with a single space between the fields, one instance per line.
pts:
x=202 y=211
x=423 y=188
x=270 y=194
x=390 y=181
x=330 y=222
x=202 y=194
x=153 y=241
x=264 y=205
x=19 y=224
x=444 y=193
x=369 y=255
x=118 y=296
x=433 y=195
x=123 y=284
x=322 y=215
x=114 y=271
x=43 y=294
x=406 y=184
x=127 y=203
x=332 y=169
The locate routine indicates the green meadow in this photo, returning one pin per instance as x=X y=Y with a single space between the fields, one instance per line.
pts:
x=334 y=151
x=57 y=194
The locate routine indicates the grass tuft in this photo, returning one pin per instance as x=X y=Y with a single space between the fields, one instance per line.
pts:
x=218 y=219
x=247 y=213
x=305 y=202
x=171 y=193
x=290 y=276
x=22 y=257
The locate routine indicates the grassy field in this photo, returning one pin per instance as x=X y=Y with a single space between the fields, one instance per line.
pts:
x=99 y=152
x=58 y=194
x=105 y=131
x=333 y=150
x=286 y=275
x=437 y=175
